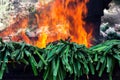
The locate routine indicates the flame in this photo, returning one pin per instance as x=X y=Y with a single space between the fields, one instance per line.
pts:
x=42 y=40
x=58 y=19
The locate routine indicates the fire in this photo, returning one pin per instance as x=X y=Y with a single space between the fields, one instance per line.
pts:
x=58 y=19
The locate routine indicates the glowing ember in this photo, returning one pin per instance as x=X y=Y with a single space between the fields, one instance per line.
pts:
x=56 y=20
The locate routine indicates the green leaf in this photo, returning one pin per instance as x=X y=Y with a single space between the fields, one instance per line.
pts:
x=79 y=68
x=3 y=65
x=40 y=65
x=3 y=48
x=57 y=67
x=23 y=45
x=8 y=53
x=102 y=68
x=107 y=50
x=46 y=73
x=33 y=64
x=102 y=59
x=1 y=74
x=86 y=68
x=109 y=64
x=28 y=54
x=117 y=57
x=14 y=54
x=41 y=58
x=59 y=49
x=98 y=66
x=99 y=48
x=10 y=46
x=96 y=57
x=112 y=67
x=62 y=73
x=92 y=68
x=75 y=69
x=52 y=53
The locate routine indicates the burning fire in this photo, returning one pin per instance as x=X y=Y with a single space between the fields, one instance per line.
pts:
x=58 y=19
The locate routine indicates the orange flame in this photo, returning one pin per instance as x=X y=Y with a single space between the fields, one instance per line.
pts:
x=56 y=20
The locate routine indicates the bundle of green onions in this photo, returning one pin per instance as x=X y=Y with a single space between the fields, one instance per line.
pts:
x=58 y=60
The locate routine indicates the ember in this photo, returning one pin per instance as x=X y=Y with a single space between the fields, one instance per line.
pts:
x=58 y=19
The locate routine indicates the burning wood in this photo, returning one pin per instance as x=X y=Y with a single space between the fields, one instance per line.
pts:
x=52 y=23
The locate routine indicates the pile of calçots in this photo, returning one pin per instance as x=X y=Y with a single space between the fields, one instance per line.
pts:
x=62 y=59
